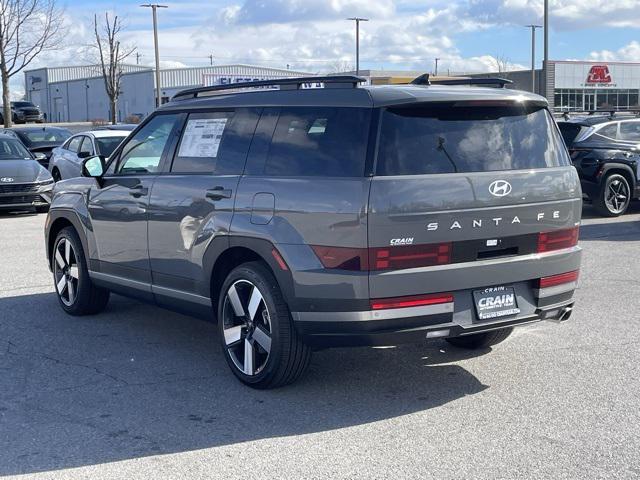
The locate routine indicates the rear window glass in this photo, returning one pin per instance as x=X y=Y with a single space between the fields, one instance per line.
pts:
x=319 y=141
x=447 y=138
x=106 y=145
x=569 y=132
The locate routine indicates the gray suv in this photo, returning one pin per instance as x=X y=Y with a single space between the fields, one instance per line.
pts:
x=305 y=218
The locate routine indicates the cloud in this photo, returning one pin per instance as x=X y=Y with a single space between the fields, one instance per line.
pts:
x=630 y=52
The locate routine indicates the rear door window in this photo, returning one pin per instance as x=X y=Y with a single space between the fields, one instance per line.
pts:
x=629 y=131
x=453 y=137
x=216 y=142
x=319 y=141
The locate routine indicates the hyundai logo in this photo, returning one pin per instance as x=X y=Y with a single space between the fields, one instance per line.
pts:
x=6 y=179
x=500 y=188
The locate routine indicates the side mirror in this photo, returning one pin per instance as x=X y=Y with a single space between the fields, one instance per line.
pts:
x=84 y=155
x=93 y=167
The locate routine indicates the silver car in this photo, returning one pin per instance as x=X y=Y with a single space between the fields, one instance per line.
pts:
x=66 y=160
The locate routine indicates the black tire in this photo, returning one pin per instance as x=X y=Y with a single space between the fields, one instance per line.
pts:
x=481 y=340
x=614 y=196
x=287 y=357
x=56 y=175
x=87 y=299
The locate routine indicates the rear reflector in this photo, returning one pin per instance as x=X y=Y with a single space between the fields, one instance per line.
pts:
x=384 y=258
x=560 y=279
x=413 y=301
x=558 y=239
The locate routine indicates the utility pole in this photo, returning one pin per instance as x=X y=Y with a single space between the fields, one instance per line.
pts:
x=533 y=55
x=545 y=63
x=435 y=74
x=138 y=55
x=154 y=7
x=211 y=59
x=358 y=20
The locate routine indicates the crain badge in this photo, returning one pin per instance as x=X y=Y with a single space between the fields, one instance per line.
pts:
x=6 y=180
x=500 y=188
x=401 y=241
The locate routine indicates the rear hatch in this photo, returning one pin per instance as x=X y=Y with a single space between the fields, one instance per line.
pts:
x=465 y=184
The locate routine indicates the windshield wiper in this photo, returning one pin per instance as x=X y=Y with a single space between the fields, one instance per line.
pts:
x=441 y=148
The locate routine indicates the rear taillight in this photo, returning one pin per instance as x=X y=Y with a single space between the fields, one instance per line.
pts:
x=558 y=239
x=413 y=301
x=560 y=279
x=412 y=256
x=384 y=258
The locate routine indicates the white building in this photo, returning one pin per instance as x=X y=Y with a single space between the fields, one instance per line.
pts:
x=72 y=94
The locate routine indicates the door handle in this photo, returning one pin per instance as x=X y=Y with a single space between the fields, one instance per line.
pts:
x=138 y=190
x=218 y=193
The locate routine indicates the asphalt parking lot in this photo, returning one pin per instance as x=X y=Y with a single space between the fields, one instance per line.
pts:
x=139 y=392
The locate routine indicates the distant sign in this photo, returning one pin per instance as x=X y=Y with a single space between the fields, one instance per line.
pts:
x=599 y=74
x=213 y=79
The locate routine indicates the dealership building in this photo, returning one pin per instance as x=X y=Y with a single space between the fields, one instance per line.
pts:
x=581 y=86
x=77 y=94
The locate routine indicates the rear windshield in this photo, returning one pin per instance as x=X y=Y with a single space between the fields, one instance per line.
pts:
x=449 y=138
x=47 y=135
x=106 y=145
x=569 y=132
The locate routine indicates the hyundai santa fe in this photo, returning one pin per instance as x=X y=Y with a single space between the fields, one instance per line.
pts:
x=304 y=218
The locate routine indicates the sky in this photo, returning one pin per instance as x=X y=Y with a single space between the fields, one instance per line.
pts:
x=314 y=36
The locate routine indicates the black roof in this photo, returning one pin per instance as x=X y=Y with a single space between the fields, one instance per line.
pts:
x=367 y=96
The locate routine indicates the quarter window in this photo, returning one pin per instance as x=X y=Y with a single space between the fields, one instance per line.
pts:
x=330 y=142
x=142 y=153
x=87 y=147
x=74 y=144
x=610 y=131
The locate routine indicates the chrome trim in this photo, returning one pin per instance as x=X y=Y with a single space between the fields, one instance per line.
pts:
x=181 y=295
x=125 y=282
x=372 y=315
x=556 y=290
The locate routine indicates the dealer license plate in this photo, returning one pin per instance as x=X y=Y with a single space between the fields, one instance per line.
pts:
x=495 y=302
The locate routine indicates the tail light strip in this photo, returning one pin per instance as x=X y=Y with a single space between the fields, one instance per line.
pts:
x=558 y=239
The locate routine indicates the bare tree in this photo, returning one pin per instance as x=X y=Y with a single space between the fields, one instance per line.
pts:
x=340 y=66
x=27 y=28
x=501 y=63
x=112 y=56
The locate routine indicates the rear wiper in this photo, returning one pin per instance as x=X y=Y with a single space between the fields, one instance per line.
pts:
x=441 y=148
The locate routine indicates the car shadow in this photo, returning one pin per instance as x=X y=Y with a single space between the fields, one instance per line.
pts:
x=136 y=381
x=625 y=228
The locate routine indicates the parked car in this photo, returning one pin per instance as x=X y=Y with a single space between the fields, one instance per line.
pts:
x=66 y=160
x=606 y=152
x=24 y=183
x=41 y=140
x=23 y=112
x=120 y=126
x=329 y=217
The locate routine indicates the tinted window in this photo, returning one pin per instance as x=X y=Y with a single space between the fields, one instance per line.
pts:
x=630 y=131
x=328 y=142
x=49 y=135
x=215 y=142
x=610 y=131
x=106 y=145
x=74 y=144
x=87 y=146
x=143 y=152
x=569 y=132
x=448 y=139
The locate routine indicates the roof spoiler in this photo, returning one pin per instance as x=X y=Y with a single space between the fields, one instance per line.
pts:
x=282 y=83
x=425 y=80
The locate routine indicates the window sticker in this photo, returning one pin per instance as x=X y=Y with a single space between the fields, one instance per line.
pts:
x=202 y=137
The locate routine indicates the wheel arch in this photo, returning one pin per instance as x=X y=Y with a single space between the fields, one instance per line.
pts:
x=56 y=222
x=241 y=250
x=625 y=170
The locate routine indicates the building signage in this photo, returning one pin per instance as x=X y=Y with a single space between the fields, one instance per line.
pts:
x=211 y=79
x=600 y=75
x=596 y=75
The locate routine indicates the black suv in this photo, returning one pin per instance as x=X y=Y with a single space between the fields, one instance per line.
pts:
x=606 y=152
x=314 y=217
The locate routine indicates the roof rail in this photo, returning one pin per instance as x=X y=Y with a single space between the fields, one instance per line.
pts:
x=282 y=83
x=425 y=80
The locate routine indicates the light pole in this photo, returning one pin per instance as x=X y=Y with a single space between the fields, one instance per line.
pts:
x=545 y=63
x=436 y=72
x=154 y=7
x=358 y=20
x=533 y=55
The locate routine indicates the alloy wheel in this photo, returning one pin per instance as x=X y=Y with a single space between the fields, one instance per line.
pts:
x=247 y=327
x=617 y=196
x=65 y=270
